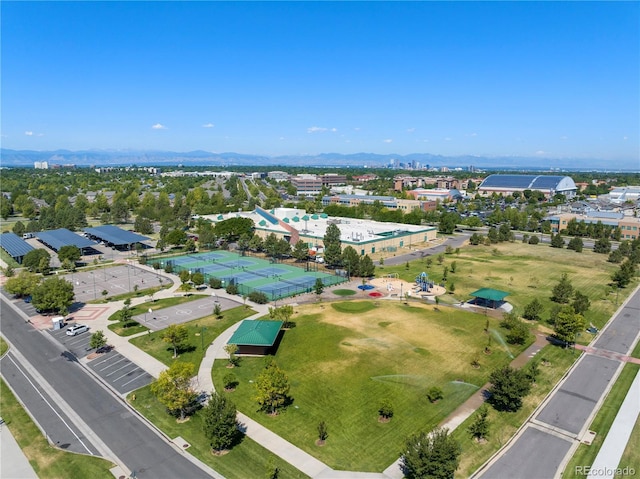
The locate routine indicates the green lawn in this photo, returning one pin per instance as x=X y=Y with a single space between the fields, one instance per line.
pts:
x=631 y=456
x=585 y=455
x=343 y=292
x=526 y=272
x=4 y=347
x=343 y=359
x=48 y=462
x=201 y=333
x=246 y=460
x=502 y=425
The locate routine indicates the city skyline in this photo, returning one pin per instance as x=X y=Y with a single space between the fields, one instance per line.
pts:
x=538 y=80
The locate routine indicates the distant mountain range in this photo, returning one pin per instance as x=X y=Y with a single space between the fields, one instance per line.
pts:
x=26 y=158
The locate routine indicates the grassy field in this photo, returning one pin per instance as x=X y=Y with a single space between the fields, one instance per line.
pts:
x=526 y=272
x=502 y=425
x=585 y=455
x=344 y=292
x=48 y=462
x=201 y=333
x=343 y=359
x=247 y=459
x=4 y=347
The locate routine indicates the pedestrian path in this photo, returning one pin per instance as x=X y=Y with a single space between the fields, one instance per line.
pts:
x=14 y=463
x=613 y=447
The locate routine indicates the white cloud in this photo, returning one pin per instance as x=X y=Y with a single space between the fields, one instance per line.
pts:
x=208 y=125
x=563 y=138
x=28 y=133
x=410 y=130
x=473 y=134
x=40 y=134
x=159 y=126
x=357 y=128
x=625 y=138
x=388 y=140
x=281 y=138
x=448 y=138
x=541 y=152
x=320 y=129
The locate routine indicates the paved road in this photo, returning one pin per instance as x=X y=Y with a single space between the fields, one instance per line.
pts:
x=453 y=241
x=565 y=415
x=106 y=421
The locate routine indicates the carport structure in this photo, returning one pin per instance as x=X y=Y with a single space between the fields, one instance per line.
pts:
x=15 y=246
x=487 y=297
x=256 y=337
x=56 y=239
x=114 y=236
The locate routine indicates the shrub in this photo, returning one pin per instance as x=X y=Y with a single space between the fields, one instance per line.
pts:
x=231 y=289
x=386 y=409
x=434 y=394
x=258 y=297
x=215 y=283
x=534 y=240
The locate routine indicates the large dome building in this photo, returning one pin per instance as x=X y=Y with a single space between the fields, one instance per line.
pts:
x=547 y=184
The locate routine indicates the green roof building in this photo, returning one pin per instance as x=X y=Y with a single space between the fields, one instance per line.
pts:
x=256 y=337
x=493 y=298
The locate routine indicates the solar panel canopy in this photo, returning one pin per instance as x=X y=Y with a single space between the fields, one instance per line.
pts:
x=56 y=239
x=114 y=235
x=15 y=246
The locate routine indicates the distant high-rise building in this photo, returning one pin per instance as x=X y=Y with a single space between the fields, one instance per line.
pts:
x=41 y=165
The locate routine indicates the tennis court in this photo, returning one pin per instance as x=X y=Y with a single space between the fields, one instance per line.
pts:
x=250 y=274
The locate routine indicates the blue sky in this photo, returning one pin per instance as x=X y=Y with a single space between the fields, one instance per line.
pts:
x=535 y=79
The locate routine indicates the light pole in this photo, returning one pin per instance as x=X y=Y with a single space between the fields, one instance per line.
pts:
x=93 y=274
x=128 y=277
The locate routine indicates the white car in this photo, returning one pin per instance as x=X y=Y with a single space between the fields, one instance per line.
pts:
x=76 y=329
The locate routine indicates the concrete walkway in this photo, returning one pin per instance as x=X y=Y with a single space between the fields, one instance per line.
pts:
x=14 y=463
x=613 y=447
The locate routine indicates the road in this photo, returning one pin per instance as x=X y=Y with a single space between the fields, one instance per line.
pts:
x=546 y=442
x=105 y=422
x=453 y=241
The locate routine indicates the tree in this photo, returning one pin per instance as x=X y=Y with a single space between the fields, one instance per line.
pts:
x=580 y=303
x=272 y=389
x=533 y=310
x=534 y=240
x=230 y=381
x=366 y=267
x=197 y=278
x=567 y=324
x=434 y=394
x=479 y=428
x=33 y=260
x=23 y=284
x=519 y=334
x=562 y=292
x=300 y=250
x=448 y=222
x=173 y=388
x=53 y=294
x=508 y=387
x=476 y=239
x=318 y=286
x=624 y=274
x=557 y=241
x=433 y=455
x=97 y=340
x=332 y=246
x=602 y=245
x=576 y=244
x=385 y=410
x=175 y=237
x=219 y=423
x=232 y=228
x=323 y=433
x=177 y=335
x=231 y=349
x=217 y=311
x=351 y=261
x=69 y=253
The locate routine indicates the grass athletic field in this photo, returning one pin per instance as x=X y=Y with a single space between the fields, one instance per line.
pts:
x=344 y=358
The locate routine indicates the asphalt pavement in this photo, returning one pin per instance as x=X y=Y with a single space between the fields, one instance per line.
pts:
x=103 y=418
x=565 y=415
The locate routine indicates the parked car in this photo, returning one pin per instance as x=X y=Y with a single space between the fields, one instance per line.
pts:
x=77 y=329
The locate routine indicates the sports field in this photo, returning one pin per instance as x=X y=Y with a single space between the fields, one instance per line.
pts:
x=250 y=274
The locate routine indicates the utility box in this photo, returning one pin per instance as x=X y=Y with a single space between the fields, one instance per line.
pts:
x=58 y=322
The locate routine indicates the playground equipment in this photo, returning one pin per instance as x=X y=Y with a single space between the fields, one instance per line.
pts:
x=422 y=282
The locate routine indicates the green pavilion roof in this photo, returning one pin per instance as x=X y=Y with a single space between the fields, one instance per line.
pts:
x=490 y=294
x=256 y=333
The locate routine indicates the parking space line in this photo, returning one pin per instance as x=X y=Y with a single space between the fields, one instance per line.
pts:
x=113 y=364
x=134 y=379
x=108 y=358
x=125 y=375
x=116 y=370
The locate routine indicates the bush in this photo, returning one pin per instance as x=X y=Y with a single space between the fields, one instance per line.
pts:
x=231 y=289
x=519 y=334
x=258 y=297
x=386 y=409
x=230 y=381
x=534 y=240
x=215 y=283
x=434 y=394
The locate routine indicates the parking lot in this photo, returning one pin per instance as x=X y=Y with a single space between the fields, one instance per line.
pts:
x=122 y=374
x=78 y=345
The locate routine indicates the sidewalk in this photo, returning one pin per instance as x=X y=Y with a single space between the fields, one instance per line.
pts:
x=613 y=447
x=14 y=463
